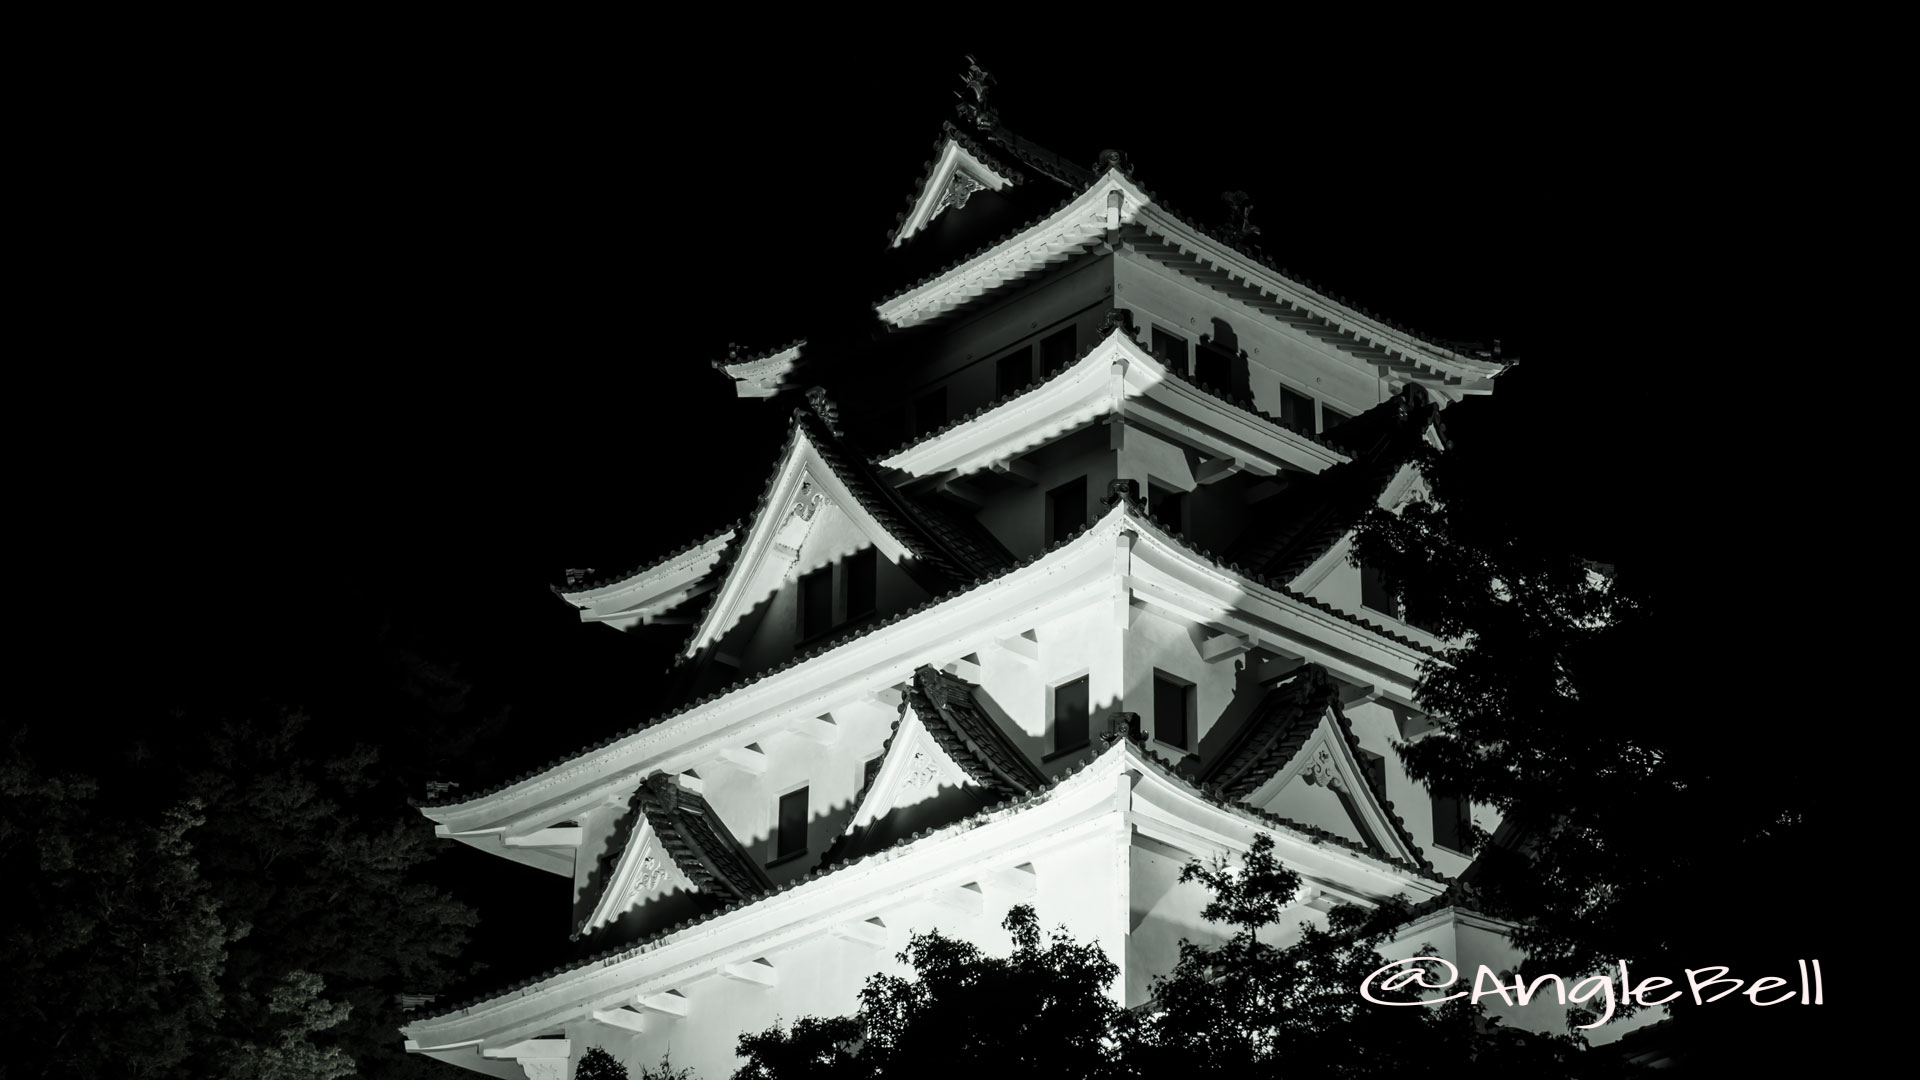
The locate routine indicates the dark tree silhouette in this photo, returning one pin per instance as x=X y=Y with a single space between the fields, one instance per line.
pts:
x=247 y=904
x=1637 y=802
x=1042 y=1011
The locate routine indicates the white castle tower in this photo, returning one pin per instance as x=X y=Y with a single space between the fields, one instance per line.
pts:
x=1048 y=594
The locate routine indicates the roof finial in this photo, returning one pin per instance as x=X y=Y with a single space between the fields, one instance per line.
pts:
x=1240 y=230
x=977 y=112
x=1113 y=159
x=825 y=409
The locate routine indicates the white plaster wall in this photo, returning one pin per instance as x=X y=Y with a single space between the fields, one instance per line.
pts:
x=833 y=774
x=1018 y=693
x=1158 y=643
x=1279 y=355
x=961 y=357
x=1078 y=886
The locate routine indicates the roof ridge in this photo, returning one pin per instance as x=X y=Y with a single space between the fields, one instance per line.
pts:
x=1008 y=805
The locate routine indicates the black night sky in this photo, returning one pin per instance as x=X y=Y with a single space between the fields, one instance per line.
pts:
x=424 y=330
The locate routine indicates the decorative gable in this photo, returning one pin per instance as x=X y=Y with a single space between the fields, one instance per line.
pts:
x=674 y=842
x=960 y=169
x=1297 y=757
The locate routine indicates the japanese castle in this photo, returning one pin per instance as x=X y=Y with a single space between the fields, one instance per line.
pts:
x=1048 y=594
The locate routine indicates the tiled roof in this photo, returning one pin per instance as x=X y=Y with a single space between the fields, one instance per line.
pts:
x=1225 y=397
x=1283 y=721
x=959 y=550
x=1005 y=806
x=983 y=248
x=949 y=131
x=1038 y=157
x=1293 y=529
x=953 y=717
x=605 y=580
x=1279 y=726
x=741 y=359
x=699 y=843
x=808 y=655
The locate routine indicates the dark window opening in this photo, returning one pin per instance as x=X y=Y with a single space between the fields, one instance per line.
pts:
x=862 y=570
x=1331 y=417
x=1058 y=349
x=1066 y=510
x=1168 y=505
x=1172 y=709
x=1452 y=827
x=1213 y=368
x=1374 y=768
x=930 y=411
x=1376 y=592
x=1070 y=715
x=790 y=837
x=1170 y=349
x=816 y=602
x=1012 y=372
x=1296 y=411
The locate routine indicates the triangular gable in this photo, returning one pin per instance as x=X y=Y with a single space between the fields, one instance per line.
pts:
x=973 y=739
x=960 y=168
x=676 y=840
x=645 y=870
x=914 y=769
x=803 y=481
x=1300 y=735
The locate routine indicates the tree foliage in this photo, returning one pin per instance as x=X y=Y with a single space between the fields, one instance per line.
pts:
x=1241 y=1008
x=1246 y=1007
x=1042 y=1011
x=246 y=903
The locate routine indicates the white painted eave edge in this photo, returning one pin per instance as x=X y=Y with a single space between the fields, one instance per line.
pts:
x=1156 y=219
x=1003 y=260
x=637 y=586
x=952 y=156
x=850 y=671
x=778 y=364
x=803 y=460
x=852 y=893
x=1082 y=392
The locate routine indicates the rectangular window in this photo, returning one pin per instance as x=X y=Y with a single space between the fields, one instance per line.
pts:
x=1172 y=709
x=816 y=602
x=1057 y=349
x=1168 y=505
x=1066 y=510
x=1213 y=368
x=1296 y=411
x=862 y=570
x=1452 y=828
x=1070 y=715
x=1170 y=349
x=790 y=836
x=1013 y=371
x=930 y=411
x=1374 y=768
x=1331 y=417
x=1376 y=593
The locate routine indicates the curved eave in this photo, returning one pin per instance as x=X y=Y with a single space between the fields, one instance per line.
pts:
x=1116 y=377
x=763 y=376
x=1290 y=301
x=1076 y=227
x=1160 y=804
x=1165 y=572
x=646 y=594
